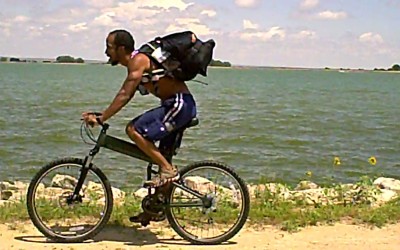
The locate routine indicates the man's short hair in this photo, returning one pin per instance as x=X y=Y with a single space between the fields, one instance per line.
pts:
x=124 y=38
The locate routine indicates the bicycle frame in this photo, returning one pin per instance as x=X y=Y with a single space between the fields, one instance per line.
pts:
x=131 y=149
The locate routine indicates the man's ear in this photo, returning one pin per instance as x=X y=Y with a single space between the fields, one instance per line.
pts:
x=121 y=49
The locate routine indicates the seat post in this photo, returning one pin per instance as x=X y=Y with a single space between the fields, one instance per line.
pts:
x=170 y=151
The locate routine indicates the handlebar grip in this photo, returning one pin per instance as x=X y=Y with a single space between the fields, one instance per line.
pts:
x=96 y=113
x=98 y=120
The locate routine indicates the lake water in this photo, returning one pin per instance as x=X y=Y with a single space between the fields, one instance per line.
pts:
x=266 y=123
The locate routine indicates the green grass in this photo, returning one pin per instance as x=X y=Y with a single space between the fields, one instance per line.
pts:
x=266 y=209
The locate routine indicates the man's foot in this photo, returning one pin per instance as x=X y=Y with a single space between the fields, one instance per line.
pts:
x=165 y=177
x=145 y=218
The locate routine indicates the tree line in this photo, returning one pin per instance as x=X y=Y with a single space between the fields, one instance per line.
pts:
x=219 y=63
x=395 y=67
x=59 y=59
x=69 y=59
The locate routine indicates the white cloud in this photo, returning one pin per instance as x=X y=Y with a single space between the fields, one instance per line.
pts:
x=246 y=3
x=370 y=37
x=305 y=34
x=4 y=24
x=105 y=19
x=209 y=13
x=165 y=4
x=34 y=31
x=160 y=4
x=309 y=4
x=65 y=16
x=192 y=24
x=247 y=24
x=99 y=3
x=77 y=27
x=21 y=19
x=273 y=33
x=332 y=15
x=140 y=12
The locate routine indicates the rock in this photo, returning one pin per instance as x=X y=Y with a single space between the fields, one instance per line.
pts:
x=141 y=193
x=118 y=194
x=53 y=192
x=309 y=196
x=93 y=186
x=388 y=183
x=7 y=186
x=276 y=189
x=200 y=184
x=64 y=181
x=4 y=203
x=384 y=196
x=303 y=185
x=6 y=194
x=20 y=185
x=18 y=195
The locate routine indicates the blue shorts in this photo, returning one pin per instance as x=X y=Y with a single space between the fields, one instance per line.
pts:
x=174 y=113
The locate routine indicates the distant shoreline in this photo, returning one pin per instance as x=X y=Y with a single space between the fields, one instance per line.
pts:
x=341 y=70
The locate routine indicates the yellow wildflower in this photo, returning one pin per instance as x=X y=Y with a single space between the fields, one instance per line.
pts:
x=372 y=160
x=336 y=161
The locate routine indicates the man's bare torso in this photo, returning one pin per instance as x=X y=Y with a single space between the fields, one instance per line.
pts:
x=166 y=86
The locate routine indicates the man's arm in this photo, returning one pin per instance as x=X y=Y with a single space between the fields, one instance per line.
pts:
x=128 y=89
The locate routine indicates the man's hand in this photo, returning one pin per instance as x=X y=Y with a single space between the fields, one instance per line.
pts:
x=90 y=118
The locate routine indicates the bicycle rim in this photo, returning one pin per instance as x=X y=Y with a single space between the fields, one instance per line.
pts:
x=229 y=204
x=57 y=217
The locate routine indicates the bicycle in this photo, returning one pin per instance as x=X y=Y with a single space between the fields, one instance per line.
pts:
x=83 y=198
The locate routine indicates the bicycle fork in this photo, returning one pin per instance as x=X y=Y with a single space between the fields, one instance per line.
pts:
x=84 y=171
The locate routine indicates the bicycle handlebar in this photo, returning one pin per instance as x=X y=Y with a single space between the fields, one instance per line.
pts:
x=97 y=114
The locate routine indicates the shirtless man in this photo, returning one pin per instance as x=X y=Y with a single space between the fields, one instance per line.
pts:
x=176 y=110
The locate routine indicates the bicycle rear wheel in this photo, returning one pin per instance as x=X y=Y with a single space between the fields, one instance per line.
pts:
x=54 y=212
x=226 y=212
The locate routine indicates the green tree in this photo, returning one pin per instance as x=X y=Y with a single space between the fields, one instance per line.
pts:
x=79 y=60
x=69 y=59
x=219 y=63
x=65 y=59
x=396 y=67
x=3 y=59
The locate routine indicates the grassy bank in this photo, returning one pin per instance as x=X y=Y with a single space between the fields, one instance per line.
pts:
x=267 y=208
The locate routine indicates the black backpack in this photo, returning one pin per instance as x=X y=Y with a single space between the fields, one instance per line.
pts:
x=179 y=56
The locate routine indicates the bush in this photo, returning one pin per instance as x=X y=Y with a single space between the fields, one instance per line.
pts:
x=69 y=59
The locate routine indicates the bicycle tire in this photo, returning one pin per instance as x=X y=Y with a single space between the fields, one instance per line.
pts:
x=238 y=226
x=35 y=218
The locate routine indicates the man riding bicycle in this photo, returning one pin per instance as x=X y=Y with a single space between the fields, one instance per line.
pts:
x=177 y=107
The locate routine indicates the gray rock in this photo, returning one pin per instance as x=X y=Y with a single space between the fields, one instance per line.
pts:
x=64 y=181
x=6 y=194
x=388 y=183
x=303 y=185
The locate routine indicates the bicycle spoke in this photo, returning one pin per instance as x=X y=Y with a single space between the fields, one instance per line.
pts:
x=221 y=211
x=61 y=215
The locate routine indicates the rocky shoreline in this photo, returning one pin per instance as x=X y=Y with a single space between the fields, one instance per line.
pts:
x=376 y=193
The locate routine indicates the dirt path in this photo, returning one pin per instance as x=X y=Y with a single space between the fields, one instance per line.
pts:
x=337 y=237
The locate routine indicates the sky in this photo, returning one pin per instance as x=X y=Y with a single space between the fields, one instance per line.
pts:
x=288 y=33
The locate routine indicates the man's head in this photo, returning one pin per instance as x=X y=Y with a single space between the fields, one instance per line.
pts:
x=119 y=43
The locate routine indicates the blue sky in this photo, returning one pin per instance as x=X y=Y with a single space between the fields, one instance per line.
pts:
x=294 y=33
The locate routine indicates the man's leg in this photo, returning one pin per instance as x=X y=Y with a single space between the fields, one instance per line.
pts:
x=146 y=129
x=149 y=148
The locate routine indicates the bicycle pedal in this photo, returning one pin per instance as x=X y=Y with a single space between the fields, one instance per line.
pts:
x=144 y=223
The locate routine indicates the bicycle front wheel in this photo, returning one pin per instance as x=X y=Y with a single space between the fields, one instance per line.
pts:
x=218 y=219
x=57 y=214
